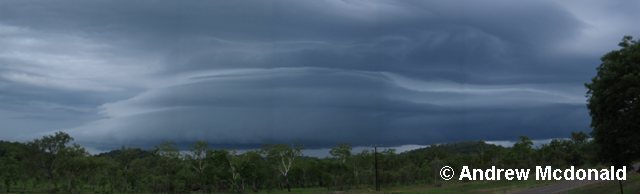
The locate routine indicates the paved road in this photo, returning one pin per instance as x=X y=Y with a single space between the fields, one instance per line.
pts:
x=557 y=187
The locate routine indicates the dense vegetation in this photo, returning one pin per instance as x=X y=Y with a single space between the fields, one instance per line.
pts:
x=614 y=103
x=53 y=164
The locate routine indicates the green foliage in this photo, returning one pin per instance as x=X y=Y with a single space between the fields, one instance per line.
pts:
x=282 y=157
x=12 y=168
x=614 y=104
x=52 y=164
x=341 y=152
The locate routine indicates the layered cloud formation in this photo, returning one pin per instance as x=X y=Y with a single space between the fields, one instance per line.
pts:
x=244 y=73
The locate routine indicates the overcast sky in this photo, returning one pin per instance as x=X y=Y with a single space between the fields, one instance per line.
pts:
x=321 y=72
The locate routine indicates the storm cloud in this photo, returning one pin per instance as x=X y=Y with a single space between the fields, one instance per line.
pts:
x=245 y=73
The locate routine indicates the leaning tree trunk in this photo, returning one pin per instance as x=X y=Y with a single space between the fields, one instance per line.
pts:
x=286 y=179
x=620 y=183
x=7 y=183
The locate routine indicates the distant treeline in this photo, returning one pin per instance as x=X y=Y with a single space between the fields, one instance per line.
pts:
x=53 y=164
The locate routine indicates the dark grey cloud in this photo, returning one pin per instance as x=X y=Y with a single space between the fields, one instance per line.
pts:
x=319 y=107
x=244 y=73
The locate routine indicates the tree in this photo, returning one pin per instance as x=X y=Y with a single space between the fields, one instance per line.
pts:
x=166 y=170
x=235 y=167
x=522 y=152
x=363 y=166
x=341 y=152
x=168 y=164
x=614 y=104
x=198 y=161
x=12 y=167
x=283 y=157
x=252 y=169
x=580 y=151
x=48 y=153
x=219 y=170
x=579 y=137
x=74 y=167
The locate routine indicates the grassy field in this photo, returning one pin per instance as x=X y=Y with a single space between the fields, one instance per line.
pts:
x=631 y=186
x=447 y=187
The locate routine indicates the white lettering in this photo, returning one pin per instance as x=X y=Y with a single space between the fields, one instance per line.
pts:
x=555 y=172
x=509 y=174
x=522 y=174
x=623 y=173
x=568 y=173
x=490 y=174
x=543 y=175
x=465 y=173
x=581 y=174
x=595 y=173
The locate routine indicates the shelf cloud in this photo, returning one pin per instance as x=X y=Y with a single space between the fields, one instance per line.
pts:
x=245 y=73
